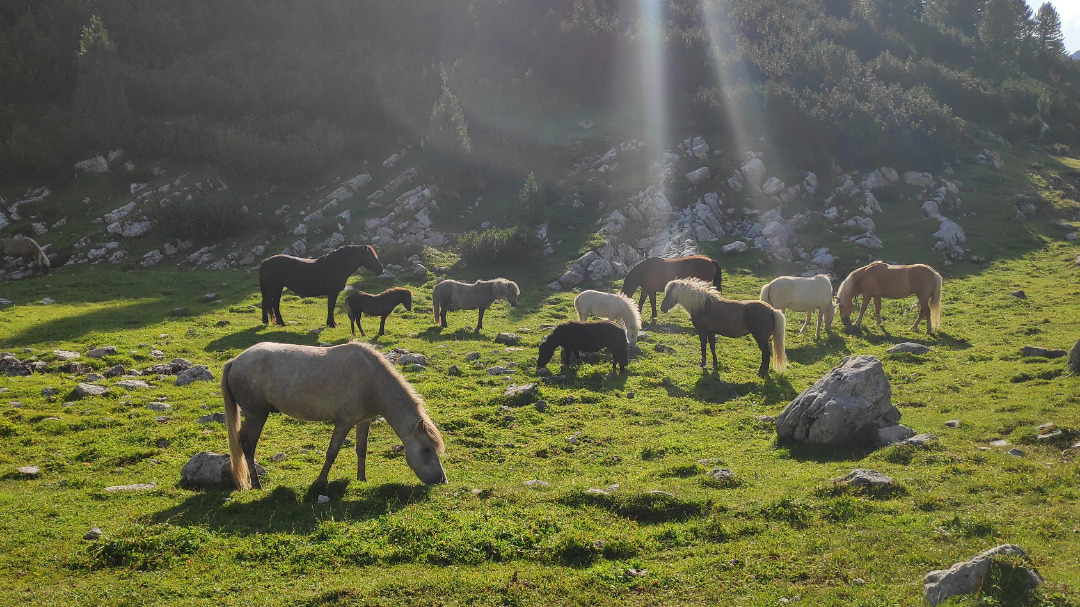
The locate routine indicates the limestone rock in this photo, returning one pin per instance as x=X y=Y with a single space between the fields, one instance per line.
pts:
x=969 y=576
x=194 y=374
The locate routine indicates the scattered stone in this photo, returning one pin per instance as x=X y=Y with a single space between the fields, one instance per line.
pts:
x=93 y=534
x=500 y=371
x=722 y=475
x=865 y=478
x=323 y=499
x=1015 y=452
x=158 y=406
x=471 y=356
x=66 y=355
x=194 y=374
x=413 y=358
x=1049 y=436
x=102 y=352
x=181 y=311
x=536 y=483
x=115 y=371
x=131 y=488
x=1019 y=294
x=47 y=392
x=664 y=349
x=850 y=404
x=541 y=405
x=1000 y=442
x=908 y=347
x=969 y=576
x=521 y=395
x=207 y=470
x=133 y=384
x=83 y=390
x=508 y=339
x=952 y=423
x=30 y=471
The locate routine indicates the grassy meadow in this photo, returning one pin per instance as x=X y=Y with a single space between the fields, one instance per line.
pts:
x=668 y=534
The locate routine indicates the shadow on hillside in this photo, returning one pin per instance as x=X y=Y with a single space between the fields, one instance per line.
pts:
x=245 y=338
x=283 y=510
x=135 y=315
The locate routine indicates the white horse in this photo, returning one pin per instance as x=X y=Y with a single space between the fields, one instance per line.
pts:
x=454 y=295
x=349 y=385
x=802 y=294
x=612 y=306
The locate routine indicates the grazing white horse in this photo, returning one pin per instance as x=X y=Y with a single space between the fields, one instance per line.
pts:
x=612 y=306
x=802 y=294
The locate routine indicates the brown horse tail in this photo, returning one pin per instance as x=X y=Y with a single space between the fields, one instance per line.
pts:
x=935 y=303
x=779 y=352
x=718 y=278
x=240 y=472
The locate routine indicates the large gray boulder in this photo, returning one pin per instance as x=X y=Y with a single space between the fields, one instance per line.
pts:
x=969 y=576
x=851 y=404
x=1074 y=357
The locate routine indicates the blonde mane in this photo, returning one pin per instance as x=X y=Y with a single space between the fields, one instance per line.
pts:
x=504 y=288
x=407 y=392
x=691 y=293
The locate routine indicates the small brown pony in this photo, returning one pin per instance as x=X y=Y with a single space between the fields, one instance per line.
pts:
x=653 y=273
x=24 y=247
x=712 y=315
x=880 y=279
x=359 y=303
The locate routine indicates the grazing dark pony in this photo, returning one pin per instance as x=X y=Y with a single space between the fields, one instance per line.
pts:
x=653 y=273
x=360 y=303
x=454 y=295
x=880 y=279
x=349 y=385
x=310 y=277
x=712 y=315
x=575 y=337
x=24 y=247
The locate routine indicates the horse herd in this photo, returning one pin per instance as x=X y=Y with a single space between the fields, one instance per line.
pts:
x=352 y=384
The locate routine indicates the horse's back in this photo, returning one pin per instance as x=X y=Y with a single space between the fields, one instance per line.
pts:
x=306 y=382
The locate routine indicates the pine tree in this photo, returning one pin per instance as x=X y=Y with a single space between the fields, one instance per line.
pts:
x=999 y=29
x=1048 y=31
x=100 y=107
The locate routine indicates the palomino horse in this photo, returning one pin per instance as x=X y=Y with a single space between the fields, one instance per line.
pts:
x=310 y=277
x=880 y=279
x=652 y=274
x=612 y=306
x=349 y=385
x=712 y=315
x=24 y=247
x=453 y=295
x=802 y=294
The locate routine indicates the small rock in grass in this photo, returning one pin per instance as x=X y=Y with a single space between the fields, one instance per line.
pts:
x=952 y=423
x=536 y=483
x=93 y=534
x=324 y=499
x=31 y=471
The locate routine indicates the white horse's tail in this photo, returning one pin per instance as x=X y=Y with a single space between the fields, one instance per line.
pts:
x=582 y=309
x=765 y=294
x=935 y=303
x=779 y=352
x=240 y=471
x=42 y=259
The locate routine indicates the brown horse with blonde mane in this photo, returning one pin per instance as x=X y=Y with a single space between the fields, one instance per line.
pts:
x=880 y=279
x=24 y=247
x=653 y=273
x=712 y=315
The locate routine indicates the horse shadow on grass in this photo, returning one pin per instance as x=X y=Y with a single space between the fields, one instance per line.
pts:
x=283 y=510
x=245 y=338
x=885 y=338
x=711 y=388
x=437 y=333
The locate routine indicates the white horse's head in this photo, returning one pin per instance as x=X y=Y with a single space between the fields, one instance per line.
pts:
x=422 y=449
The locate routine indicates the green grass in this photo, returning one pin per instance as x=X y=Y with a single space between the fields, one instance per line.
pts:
x=781 y=530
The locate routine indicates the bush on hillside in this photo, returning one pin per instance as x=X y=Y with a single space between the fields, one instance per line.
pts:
x=497 y=244
x=207 y=219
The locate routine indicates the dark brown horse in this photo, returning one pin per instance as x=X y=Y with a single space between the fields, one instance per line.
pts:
x=575 y=337
x=653 y=273
x=880 y=279
x=360 y=303
x=310 y=277
x=712 y=315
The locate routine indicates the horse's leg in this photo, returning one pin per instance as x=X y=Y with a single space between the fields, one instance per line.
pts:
x=341 y=430
x=359 y=317
x=924 y=310
x=641 y=301
x=361 y=450
x=250 y=431
x=877 y=308
x=480 y=319
x=442 y=317
x=762 y=340
x=862 y=310
x=806 y=323
x=712 y=346
x=652 y=300
x=704 y=340
x=382 y=323
x=331 y=301
x=820 y=321
x=277 y=308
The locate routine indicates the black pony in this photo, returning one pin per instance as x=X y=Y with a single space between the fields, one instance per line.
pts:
x=310 y=277
x=576 y=337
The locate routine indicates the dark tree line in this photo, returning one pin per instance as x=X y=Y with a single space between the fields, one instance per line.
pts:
x=275 y=89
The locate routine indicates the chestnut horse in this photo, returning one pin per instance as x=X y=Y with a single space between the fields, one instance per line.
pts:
x=310 y=277
x=712 y=314
x=880 y=279
x=653 y=273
